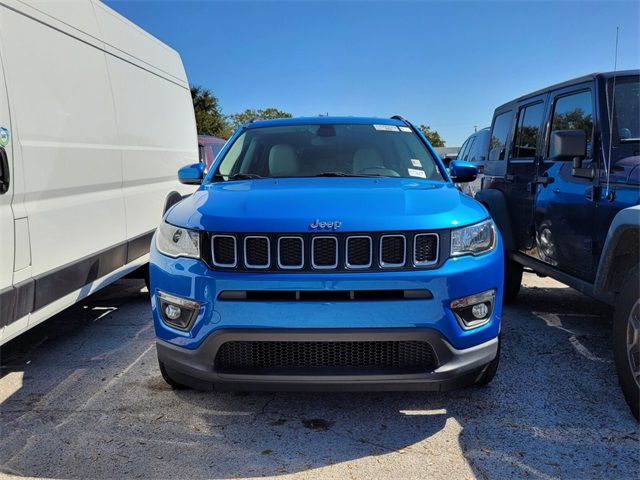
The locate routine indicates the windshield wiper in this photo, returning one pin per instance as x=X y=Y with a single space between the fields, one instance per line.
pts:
x=343 y=174
x=238 y=176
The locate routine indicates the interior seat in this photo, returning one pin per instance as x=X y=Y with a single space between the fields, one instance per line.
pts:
x=283 y=161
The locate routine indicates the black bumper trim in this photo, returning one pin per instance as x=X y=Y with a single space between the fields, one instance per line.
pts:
x=454 y=368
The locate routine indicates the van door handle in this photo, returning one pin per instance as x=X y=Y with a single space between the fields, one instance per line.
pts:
x=556 y=190
x=509 y=178
x=4 y=171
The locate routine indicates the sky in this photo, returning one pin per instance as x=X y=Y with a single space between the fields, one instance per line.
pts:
x=443 y=64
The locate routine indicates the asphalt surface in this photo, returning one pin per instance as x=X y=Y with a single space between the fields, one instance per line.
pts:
x=81 y=397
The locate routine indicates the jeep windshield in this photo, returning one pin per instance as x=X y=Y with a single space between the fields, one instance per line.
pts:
x=328 y=150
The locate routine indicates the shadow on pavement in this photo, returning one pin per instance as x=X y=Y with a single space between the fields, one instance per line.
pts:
x=82 y=398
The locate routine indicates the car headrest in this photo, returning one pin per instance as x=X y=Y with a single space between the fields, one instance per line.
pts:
x=366 y=158
x=282 y=161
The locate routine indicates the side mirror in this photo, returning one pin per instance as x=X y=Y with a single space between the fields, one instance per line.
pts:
x=191 y=174
x=565 y=145
x=462 y=171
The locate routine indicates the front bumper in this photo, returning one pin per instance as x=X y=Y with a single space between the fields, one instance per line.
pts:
x=452 y=367
x=461 y=354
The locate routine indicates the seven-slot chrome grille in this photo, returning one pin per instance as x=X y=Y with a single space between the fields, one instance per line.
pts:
x=322 y=252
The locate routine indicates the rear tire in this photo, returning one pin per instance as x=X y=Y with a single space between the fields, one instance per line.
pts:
x=512 y=280
x=490 y=370
x=166 y=376
x=626 y=341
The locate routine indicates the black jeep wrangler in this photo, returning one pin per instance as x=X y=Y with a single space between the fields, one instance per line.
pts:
x=562 y=182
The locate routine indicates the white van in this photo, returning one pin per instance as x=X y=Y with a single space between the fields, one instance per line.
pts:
x=95 y=120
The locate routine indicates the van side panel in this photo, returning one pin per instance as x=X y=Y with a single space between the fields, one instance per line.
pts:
x=157 y=137
x=156 y=125
x=127 y=40
x=65 y=127
x=7 y=292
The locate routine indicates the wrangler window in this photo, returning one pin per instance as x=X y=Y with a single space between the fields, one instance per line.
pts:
x=574 y=112
x=499 y=133
x=528 y=131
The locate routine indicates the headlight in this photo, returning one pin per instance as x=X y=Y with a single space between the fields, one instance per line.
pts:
x=177 y=241
x=474 y=239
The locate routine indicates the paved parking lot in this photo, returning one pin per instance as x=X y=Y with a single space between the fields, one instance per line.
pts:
x=81 y=397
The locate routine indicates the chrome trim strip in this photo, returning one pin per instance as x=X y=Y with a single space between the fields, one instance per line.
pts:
x=235 y=251
x=246 y=261
x=323 y=267
x=346 y=253
x=292 y=267
x=428 y=262
x=391 y=265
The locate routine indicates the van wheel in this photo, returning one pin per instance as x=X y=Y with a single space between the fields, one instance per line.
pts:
x=626 y=341
x=166 y=376
x=490 y=370
x=512 y=280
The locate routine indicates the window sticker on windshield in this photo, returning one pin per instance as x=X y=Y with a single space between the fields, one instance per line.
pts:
x=416 y=163
x=405 y=129
x=417 y=173
x=386 y=128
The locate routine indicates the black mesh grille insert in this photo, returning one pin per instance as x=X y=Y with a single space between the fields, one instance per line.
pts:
x=290 y=252
x=392 y=250
x=426 y=248
x=252 y=355
x=325 y=252
x=257 y=251
x=224 y=250
x=358 y=251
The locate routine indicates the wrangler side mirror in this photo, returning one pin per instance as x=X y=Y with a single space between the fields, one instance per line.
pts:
x=571 y=145
x=565 y=145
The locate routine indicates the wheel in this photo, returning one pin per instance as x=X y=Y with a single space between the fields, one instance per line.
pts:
x=626 y=341
x=490 y=370
x=170 y=381
x=512 y=280
x=145 y=277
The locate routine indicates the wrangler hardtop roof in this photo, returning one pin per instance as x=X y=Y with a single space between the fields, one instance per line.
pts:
x=585 y=78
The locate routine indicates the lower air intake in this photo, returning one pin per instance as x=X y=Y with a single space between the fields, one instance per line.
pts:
x=333 y=357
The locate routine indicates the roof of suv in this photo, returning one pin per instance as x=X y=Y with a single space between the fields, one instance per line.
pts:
x=567 y=83
x=324 y=120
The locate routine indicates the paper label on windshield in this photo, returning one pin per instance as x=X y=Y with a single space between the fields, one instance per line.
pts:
x=386 y=128
x=405 y=129
x=416 y=163
x=417 y=173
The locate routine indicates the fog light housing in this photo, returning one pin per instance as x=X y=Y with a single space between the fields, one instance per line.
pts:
x=475 y=310
x=177 y=312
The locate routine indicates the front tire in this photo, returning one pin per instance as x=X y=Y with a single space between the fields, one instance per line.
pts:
x=626 y=342
x=512 y=280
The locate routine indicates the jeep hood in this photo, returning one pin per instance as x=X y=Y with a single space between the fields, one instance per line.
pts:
x=359 y=204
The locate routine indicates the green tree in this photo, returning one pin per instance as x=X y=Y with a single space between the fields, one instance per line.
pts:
x=434 y=137
x=209 y=117
x=238 y=119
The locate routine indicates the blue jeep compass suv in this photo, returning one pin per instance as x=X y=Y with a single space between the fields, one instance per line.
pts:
x=327 y=253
